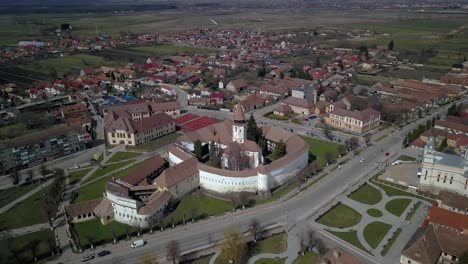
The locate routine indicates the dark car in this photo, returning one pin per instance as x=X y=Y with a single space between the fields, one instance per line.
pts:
x=103 y=253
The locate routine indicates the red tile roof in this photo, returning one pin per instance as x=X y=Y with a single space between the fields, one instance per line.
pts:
x=148 y=167
x=447 y=218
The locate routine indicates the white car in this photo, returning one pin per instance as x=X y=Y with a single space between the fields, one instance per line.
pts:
x=76 y=166
x=362 y=160
x=87 y=257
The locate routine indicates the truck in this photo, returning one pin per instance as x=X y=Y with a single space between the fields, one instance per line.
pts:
x=138 y=243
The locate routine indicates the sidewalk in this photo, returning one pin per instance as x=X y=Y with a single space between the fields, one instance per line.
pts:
x=26 y=230
x=24 y=197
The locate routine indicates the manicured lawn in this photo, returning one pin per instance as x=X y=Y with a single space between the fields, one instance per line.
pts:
x=88 y=229
x=271 y=261
x=157 y=143
x=415 y=208
x=76 y=176
x=9 y=195
x=95 y=189
x=392 y=240
x=309 y=258
x=276 y=117
x=397 y=206
x=274 y=244
x=320 y=147
x=374 y=212
x=21 y=245
x=350 y=237
x=203 y=260
x=391 y=191
x=367 y=195
x=106 y=169
x=341 y=216
x=205 y=206
x=375 y=232
x=406 y=158
x=20 y=215
x=123 y=155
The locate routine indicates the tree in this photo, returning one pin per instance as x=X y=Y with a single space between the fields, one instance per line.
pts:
x=234 y=247
x=419 y=113
x=321 y=247
x=149 y=259
x=15 y=178
x=428 y=124
x=198 y=149
x=390 y=45
x=315 y=32
x=243 y=198
x=280 y=150
x=352 y=143
x=328 y=157
x=342 y=149
x=443 y=145
x=253 y=132
x=31 y=175
x=463 y=258
x=194 y=214
x=433 y=121
x=310 y=239
x=317 y=62
x=326 y=131
x=173 y=251
x=49 y=210
x=263 y=145
x=254 y=228
x=43 y=170
x=91 y=239
x=33 y=246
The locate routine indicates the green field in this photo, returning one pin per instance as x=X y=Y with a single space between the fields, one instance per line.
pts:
x=13 y=193
x=374 y=212
x=43 y=240
x=309 y=258
x=76 y=176
x=123 y=155
x=397 y=206
x=105 y=169
x=341 y=216
x=271 y=261
x=367 y=195
x=15 y=130
x=406 y=158
x=87 y=230
x=205 y=206
x=274 y=244
x=157 y=143
x=393 y=191
x=350 y=237
x=202 y=260
x=320 y=147
x=277 y=117
x=95 y=189
x=375 y=232
x=66 y=65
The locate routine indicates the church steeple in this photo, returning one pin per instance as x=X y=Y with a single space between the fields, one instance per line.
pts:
x=239 y=132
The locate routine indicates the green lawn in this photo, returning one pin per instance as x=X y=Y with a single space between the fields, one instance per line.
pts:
x=391 y=191
x=397 y=206
x=202 y=260
x=415 y=208
x=309 y=258
x=320 y=147
x=160 y=50
x=15 y=130
x=392 y=240
x=106 y=169
x=95 y=189
x=341 y=216
x=21 y=245
x=205 y=206
x=375 y=232
x=66 y=64
x=20 y=215
x=350 y=237
x=271 y=261
x=157 y=143
x=371 y=79
x=406 y=158
x=76 y=176
x=11 y=194
x=276 y=117
x=367 y=195
x=123 y=155
x=274 y=244
x=374 y=212
x=87 y=229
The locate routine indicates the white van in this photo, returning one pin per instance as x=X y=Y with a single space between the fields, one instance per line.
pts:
x=138 y=243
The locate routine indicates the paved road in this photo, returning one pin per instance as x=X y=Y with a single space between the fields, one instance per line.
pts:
x=297 y=209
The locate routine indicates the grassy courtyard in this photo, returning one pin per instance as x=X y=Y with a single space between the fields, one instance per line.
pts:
x=271 y=261
x=123 y=155
x=350 y=237
x=9 y=195
x=22 y=245
x=391 y=191
x=375 y=232
x=158 y=142
x=105 y=169
x=87 y=232
x=374 y=212
x=406 y=158
x=95 y=189
x=76 y=176
x=203 y=205
x=276 y=117
x=274 y=244
x=397 y=206
x=340 y=216
x=320 y=147
x=367 y=195
x=309 y=258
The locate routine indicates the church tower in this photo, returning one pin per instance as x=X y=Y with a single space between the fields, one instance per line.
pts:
x=239 y=131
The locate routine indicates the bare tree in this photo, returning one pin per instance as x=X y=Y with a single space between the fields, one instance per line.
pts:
x=52 y=245
x=33 y=246
x=342 y=150
x=328 y=157
x=15 y=177
x=303 y=244
x=234 y=247
x=234 y=201
x=254 y=228
x=310 y=239
x=43 y=170
x=243 y=198
x=194 y=214
x=321 y=247
x=91 y=239
x=9 y=244
x=173 y=251
x=352 y=143
x=31 y=175
x=49 y=210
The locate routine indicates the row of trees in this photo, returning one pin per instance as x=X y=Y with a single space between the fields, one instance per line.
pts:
x=15 y=177
x=413 y=135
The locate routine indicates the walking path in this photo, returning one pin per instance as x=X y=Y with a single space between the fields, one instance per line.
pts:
x=25 y=196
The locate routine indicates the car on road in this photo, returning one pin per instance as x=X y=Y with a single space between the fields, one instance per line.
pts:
x=76 y=166
x=386 y=153
x=362 y=160
x=306 y=119
x=138 y=243
x=103 y=253
x=87 y=257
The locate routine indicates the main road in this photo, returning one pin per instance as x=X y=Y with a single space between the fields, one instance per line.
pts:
x=301 y=208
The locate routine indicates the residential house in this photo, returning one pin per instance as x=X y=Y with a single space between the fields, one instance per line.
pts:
x=237 y=85
x=282 y=110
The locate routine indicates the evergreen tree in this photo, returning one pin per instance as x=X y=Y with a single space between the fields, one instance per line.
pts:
x=280 y=150
x=428 y=124
x=463 y=258
x=252 y=129
x=198 y=149
x=443 y=145
x=390 y=45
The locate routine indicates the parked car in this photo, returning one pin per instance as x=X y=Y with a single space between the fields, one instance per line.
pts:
x=87 y=257
x=138 y=243
x=103 y=253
